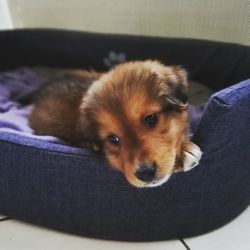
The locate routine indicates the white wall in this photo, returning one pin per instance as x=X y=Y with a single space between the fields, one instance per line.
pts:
x=5 y=18
x=223 y=20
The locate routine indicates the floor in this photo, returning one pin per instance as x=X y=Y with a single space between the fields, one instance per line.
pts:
x=15 y=235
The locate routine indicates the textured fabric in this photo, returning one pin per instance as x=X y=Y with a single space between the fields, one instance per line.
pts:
x=12 y=87
x=74 y=190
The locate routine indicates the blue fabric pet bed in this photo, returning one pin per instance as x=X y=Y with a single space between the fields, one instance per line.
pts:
x=48 y=183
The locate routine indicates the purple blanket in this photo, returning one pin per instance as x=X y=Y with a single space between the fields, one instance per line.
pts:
x=17 y=84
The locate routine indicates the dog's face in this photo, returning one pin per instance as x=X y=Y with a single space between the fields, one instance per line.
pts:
x=137 y=114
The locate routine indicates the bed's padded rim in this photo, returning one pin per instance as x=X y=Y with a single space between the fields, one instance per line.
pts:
x=50 y=186
x=215 y=64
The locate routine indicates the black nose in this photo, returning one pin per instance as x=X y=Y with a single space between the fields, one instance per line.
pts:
x=146 y=172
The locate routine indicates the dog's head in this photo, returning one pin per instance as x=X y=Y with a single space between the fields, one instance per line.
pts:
x=137 y=114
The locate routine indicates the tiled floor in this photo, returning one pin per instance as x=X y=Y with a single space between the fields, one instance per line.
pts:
x=15 y=235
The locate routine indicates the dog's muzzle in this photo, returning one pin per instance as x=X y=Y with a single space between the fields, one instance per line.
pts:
x=146 y=172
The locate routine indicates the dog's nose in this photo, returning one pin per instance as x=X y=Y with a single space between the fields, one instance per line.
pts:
x=146 y=172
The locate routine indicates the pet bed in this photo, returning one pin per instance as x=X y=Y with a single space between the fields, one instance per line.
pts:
x=45 y=182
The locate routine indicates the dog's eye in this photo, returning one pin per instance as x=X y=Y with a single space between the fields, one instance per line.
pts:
x=114 y=139
x=150 y=121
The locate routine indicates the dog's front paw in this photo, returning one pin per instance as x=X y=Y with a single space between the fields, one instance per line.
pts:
x=192 y=156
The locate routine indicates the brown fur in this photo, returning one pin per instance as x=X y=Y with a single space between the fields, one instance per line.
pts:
x=98 y=105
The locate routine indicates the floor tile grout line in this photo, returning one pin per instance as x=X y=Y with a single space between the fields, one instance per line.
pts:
x=184 y=244
x=5 y=218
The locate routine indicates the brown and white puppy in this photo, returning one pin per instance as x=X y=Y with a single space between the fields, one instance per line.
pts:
x=136 y=114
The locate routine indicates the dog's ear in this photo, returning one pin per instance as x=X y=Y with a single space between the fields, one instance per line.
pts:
x=89 y=130
x=178 y=96
x=177 y=90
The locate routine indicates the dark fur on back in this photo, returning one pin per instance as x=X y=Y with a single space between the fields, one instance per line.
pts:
x=56 y=110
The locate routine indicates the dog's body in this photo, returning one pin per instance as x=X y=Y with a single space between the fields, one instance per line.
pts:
x=136 y=114
x=57 y=106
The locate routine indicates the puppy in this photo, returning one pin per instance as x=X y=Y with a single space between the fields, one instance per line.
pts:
x=136 y=114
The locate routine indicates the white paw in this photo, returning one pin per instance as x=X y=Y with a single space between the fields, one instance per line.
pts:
x=192 y=157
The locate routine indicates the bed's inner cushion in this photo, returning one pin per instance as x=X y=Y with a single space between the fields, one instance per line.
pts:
x=17 y=84
x=198 y=93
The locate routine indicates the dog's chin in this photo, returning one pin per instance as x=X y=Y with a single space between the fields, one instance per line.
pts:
x=155 y=183
x=158 y=182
